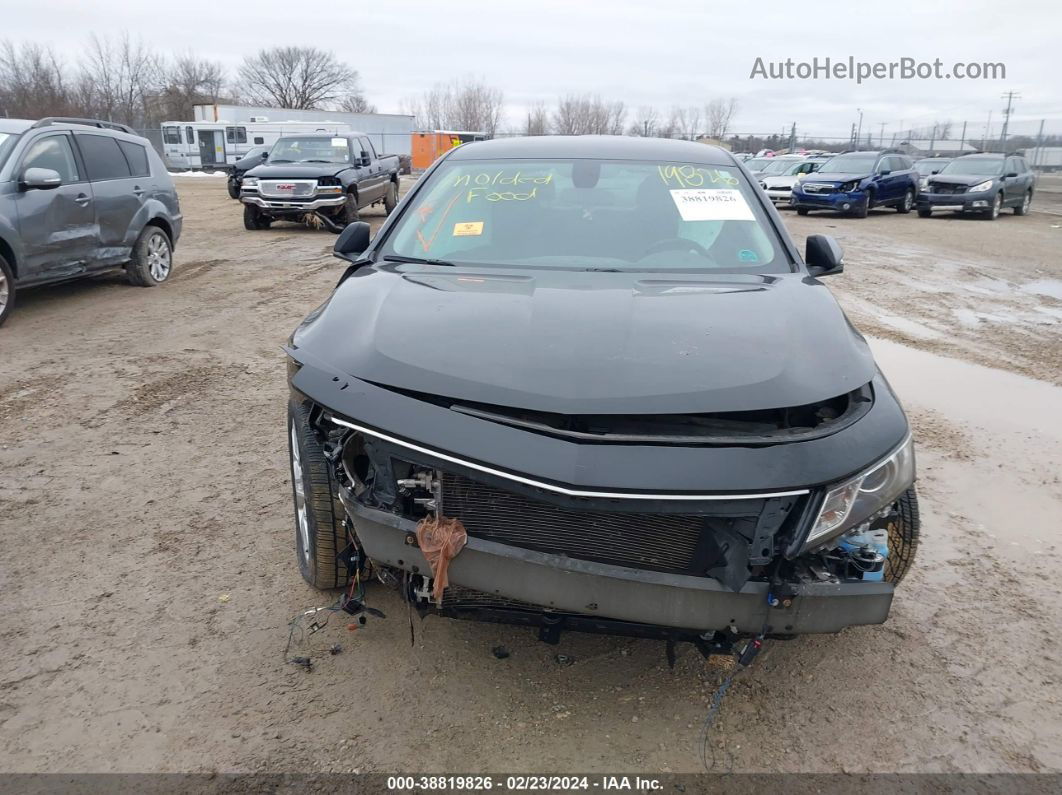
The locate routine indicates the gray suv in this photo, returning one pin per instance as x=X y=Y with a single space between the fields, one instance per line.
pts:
x=79 y=196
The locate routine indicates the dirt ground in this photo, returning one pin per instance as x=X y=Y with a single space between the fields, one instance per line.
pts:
x=147 y=573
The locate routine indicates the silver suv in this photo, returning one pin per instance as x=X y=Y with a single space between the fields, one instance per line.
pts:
x=79 y=196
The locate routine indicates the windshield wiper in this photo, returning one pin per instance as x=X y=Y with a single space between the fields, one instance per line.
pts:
x=416 y=260
x=601 y=270
x=279 y=161
x=317 y=160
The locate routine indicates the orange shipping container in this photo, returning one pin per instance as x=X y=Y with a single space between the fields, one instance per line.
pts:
x=430 y=145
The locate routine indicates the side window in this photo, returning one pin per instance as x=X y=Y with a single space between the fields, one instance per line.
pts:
x=137 y=158
x=883 y=165
x=258 y=139
x=171 y=135
x=230 y=134
x=241 y=135
x=189 y=135
x=103 y=159
x=365 y=145
x=54 y=152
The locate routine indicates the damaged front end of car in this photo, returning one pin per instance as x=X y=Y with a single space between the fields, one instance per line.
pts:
x=605 y=523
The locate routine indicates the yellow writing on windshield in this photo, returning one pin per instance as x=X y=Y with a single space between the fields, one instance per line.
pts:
x=500 y=196
x=486 y=179
x=694 y=176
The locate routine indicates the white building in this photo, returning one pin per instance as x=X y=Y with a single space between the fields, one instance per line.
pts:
x=390 y=132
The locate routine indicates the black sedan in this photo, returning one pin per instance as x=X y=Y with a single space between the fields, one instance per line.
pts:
x=591 y=383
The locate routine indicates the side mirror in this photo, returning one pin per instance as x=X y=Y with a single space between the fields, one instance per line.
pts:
x=265 y=155
x=365 y=159
x=823 y=256
x=884 y=172
x=40 y=179
x=1012 y=174
x=352 y=241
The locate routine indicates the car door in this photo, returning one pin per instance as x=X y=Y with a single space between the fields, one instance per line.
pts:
x=376 y=178
x=57 y=226
x=1013 y=181
x=117 y=195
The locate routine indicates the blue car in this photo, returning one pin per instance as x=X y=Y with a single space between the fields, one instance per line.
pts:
x=855 y=182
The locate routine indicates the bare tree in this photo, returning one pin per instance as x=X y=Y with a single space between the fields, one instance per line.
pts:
x=189 y=81
x=586 y=114
x=720 y=113
x=121 y=78
x=296 y=77
x=464 y=104
x=645 y=122
x=537 y=119
x=33 y=82
x=355 y=102
x=686 y=122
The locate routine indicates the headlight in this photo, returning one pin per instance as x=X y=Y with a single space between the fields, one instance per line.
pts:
x=856 y=500
x=250 y=182
x=848 y=187
x=923 y=183
x=329 y=188
x=981 y=186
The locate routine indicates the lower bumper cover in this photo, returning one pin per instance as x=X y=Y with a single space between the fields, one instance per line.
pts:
x=955 y=201
x=568 y=585
x=828 y=201
x=280 y=204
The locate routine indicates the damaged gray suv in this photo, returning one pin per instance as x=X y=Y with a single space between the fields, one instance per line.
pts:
x=591 y=384
x=78 y=197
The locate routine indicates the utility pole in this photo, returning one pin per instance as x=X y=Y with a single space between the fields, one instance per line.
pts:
x=881 y=142
x=963 y=139
x=1010 y=96
x=792 y=138
x=988 y=131
x=1039 y=142
x=852 y=137
x=859 y=131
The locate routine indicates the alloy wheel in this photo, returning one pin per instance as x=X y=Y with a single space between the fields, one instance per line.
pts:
x=158 y=256
x=302 y=516
x=5 y=292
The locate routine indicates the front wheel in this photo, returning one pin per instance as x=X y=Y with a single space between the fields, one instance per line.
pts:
x=1023 y=208
x=319 y=533
x=904 y=533
x=152 y=258
x=391 y=199
x=802 y=210
x=234 y=188
x=905 y=206
x=7 y=290
x=997 y=205
x=861 y=209
x=348 y=213
x=254 y=219
x=924 y=213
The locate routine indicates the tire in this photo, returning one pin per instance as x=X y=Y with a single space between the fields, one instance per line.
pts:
x=906 y=203
x=319 y=532
x=904 y=535
x=391 y=198
x=7 y=290
x=152 y=261
x=802 y=210
x=348 y=213
x=234 y=189
x=253 y=218
x=924 y=213
x=997 y=205
x=1023 y=208
x=863 y=208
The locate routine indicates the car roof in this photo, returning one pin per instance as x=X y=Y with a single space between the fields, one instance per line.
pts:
x=325 y=135
x=594 y=147
x=986 y=156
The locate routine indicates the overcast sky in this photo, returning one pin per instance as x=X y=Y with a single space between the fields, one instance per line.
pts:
x=644 y=53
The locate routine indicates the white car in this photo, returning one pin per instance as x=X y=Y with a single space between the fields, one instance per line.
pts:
x=779 y=186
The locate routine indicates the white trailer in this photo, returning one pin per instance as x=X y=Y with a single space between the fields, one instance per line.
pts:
x=205 y=145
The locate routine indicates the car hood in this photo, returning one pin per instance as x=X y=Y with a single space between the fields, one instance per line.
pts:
x=780 y=182
x=959 y=179
x=297 y=170
x=835 y=176
x=581 y=343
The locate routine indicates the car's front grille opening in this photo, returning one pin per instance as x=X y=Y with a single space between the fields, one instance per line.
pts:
x=669 y=542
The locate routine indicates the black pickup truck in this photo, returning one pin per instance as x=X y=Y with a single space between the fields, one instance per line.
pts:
x=319 y=177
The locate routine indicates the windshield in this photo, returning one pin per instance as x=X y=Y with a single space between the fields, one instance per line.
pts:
x=979 y=167
x=7 y=143
x=589 y=215
x=757 y=163
x=315 y=149
x=849 y=164
x=927 y=167
x=780 y=166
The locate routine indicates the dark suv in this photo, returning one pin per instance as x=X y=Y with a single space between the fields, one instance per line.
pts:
x=854 y=182
x=983 y=184
x=79 y=196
